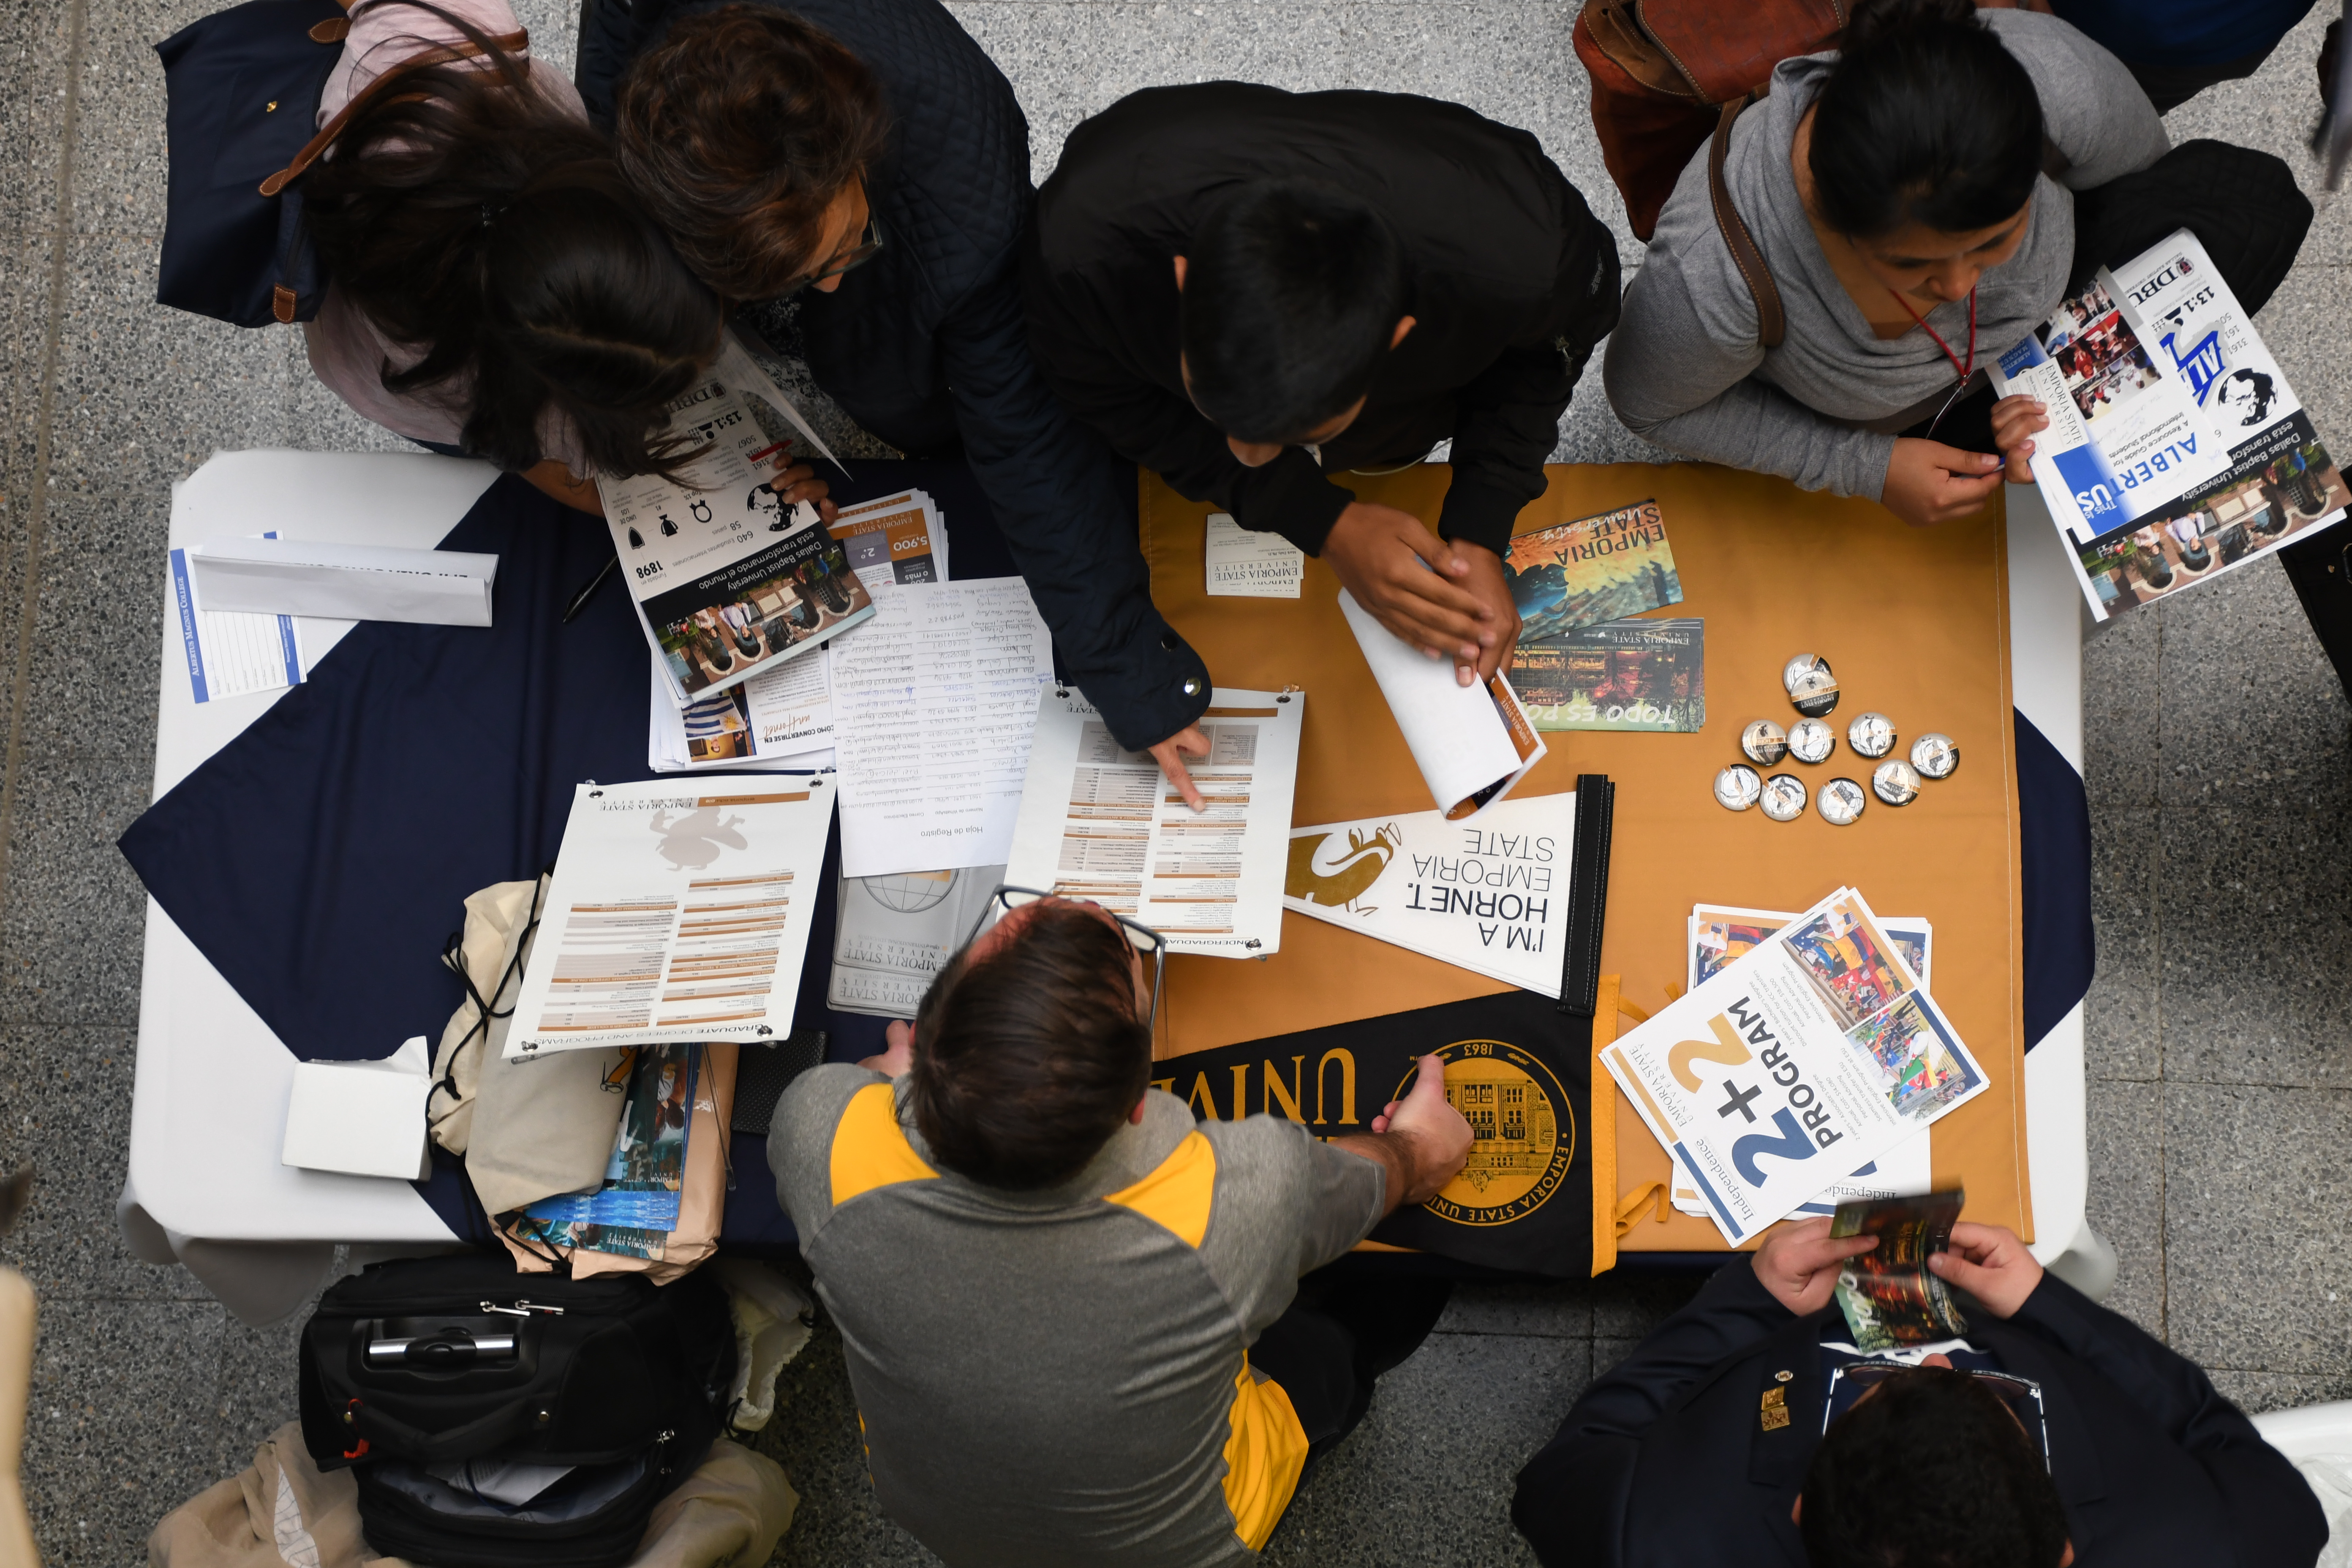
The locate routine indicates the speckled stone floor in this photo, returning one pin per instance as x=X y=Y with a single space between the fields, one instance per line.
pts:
x=2219 y=770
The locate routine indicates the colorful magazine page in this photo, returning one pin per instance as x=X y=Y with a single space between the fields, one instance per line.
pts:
x=635 y=1210
x=2177 y=450
x=1720 y=933
x=1809 y=1056
x=1619 y=675
x=1595 y=569
x=1888 y=1297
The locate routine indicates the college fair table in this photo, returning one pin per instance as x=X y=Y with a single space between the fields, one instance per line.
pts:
x=205 y=1187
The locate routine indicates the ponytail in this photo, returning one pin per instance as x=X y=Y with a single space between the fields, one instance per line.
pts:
x=1926 y=117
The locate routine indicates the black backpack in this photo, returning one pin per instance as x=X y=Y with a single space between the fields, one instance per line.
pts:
x=243 y=87
x=428 y=1363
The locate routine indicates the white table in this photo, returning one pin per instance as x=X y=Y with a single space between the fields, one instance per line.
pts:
x=206 y=1188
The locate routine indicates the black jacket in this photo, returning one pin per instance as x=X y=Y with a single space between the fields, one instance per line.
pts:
x=1665 y=1462
x=924 y=345
x=1513 y=283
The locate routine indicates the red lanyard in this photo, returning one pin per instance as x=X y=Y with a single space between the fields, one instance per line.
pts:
x=1921 y=322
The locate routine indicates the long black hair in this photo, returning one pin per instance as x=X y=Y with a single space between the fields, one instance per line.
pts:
x=466 y=212
x=1924 y=119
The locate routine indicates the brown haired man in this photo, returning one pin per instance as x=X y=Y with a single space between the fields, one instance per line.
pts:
x=1068 y=1312
x=866 y=158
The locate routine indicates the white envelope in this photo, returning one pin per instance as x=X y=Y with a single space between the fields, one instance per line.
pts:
x=344 y=582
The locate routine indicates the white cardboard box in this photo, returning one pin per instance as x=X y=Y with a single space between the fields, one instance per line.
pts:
x=363 y=1119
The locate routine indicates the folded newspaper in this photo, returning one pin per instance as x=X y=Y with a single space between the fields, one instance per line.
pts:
x=2176 y=448
x=729 y=580
x=1815 y=1052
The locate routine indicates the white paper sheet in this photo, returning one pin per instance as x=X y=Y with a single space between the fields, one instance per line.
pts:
x=934 y=701
x=680 y=912
x=1099 y=823
x=1490 y=896
x=1472 y=744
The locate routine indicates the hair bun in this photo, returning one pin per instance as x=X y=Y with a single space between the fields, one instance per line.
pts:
x=1875 y=20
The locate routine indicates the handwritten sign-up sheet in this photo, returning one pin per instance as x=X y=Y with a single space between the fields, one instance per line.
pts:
x=935 y=701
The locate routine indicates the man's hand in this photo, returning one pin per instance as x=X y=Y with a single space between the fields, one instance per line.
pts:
x=800 y=483
x=1480 y=570
x=899 y=1056
x=1799 y=1264
x=1929 y=483
x=1422 y=1140
x=2015 y=421
x=1171 y=753
x=1415 y=584
x=1989 y=1263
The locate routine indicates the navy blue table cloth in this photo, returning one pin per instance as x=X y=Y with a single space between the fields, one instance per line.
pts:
x=322 y=859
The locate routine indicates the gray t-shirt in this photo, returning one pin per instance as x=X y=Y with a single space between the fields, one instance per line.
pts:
x=1061 y=1377
x=1687 y=367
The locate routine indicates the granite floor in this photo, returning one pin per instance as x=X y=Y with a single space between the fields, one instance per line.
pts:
x=2221 y=1034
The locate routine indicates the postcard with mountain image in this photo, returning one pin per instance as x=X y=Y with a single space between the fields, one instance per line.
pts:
x=1595 y=569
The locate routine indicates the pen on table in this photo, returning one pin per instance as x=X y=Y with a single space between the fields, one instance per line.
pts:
x=579 y=600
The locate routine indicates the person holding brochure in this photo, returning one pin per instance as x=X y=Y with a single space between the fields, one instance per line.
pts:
x=869 y=210
x=1708 y=1444
x=1921 y=200
x=495 y=289
x=1252 y=291
x=1076 y=1324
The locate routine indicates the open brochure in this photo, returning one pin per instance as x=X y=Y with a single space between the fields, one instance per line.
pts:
x=1098 y=822
x=728 y=580
x=895 y=932
x=1491 y=897
x=1473 y=744
x=676 y=916
x=1815 y=1052
x=1887 y=1296
x=2176 y=448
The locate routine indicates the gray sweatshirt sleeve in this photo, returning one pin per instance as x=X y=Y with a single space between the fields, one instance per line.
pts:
x=1679 y=372
x=2092 y=110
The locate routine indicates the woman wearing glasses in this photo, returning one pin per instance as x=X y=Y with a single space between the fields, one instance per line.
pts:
x=496 y=290
x=1897 y=195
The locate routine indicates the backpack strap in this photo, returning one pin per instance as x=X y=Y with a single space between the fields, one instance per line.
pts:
x=1772 y=321
x=441 y=54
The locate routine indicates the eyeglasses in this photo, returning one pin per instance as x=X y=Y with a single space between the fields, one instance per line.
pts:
x=866 y=250
x=1142 y=938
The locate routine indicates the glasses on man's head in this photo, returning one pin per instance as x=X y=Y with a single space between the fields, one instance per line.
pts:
x=1142 y=938
x=859 y=255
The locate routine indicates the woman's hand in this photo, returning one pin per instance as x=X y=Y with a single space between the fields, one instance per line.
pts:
x=2015 y=421
x=800 y=483
x=1929 y=483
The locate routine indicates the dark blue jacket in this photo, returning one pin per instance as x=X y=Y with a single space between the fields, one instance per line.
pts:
x=925 y=345
x=1665 y=1463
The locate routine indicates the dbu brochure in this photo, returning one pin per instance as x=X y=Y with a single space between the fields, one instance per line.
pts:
x=1812 y=1054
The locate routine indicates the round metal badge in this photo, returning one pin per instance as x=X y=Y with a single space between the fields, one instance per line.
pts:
x=1842 y=801
x=1934 y=756
x=1810 y=685
x=1764 y=742
x=1871 y=735
x=1896 y=781
x=1736 y=787
x=1811 y=740
x=1784 y=797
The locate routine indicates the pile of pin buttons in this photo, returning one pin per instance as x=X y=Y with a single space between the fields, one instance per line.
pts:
x=1813 y=690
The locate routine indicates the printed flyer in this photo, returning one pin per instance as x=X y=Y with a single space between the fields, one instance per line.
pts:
x=1619 y=675
x=1814 y=1053
x=1595 y=569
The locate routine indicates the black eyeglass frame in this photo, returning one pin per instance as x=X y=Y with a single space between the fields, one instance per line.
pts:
x=866 y=251
x=1154 y=944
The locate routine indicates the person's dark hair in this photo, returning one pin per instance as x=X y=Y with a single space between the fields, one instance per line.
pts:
x=1292 y=291
x=467 y=213
x=1930 y=1471
x=1924 y=118
x=738 y=130
x=1027 y=1061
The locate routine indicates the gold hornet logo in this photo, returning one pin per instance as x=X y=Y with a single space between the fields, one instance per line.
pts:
x=1522 y=1131
x=1336 y=878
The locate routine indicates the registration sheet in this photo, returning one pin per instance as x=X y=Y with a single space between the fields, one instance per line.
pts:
x=1098 y=822
x=933 y=703
x=230 y=652
x=680 y=912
